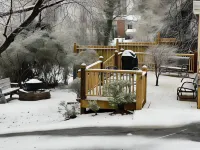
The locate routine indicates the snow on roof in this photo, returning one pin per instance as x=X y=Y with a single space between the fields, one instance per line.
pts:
x=130 y=18
x=34 y=81
x=127 y=17
x=113 y=43
x=130 y=31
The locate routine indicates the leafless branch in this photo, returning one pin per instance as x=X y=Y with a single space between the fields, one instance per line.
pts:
x=6 y=27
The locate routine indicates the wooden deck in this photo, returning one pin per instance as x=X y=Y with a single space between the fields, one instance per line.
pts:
x=93 y=81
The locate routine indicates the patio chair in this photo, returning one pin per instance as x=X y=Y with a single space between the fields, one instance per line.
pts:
x=188 y=85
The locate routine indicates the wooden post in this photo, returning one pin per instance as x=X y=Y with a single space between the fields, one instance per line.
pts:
x=117 y=45
x=83 y=86
x=195 y=61
x=116 y=59
x=119 y=62
x=101 y=66
x=139 y=90
x=75 y=48
x=101 y=58
x=198 y=70
x=144 y=68
x=122 y=50
x=74 y=66
x=158 y=38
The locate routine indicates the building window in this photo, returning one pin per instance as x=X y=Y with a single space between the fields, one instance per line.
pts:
x=130 y=26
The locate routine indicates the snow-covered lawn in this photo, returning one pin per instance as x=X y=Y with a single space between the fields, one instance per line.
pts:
x=161 y=110
x=24 y=114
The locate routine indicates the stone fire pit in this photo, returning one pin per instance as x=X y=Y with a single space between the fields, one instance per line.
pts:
x=34 y=95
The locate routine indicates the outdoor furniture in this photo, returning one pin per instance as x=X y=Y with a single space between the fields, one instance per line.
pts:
x=34 y=95
x=188 y=85
x=5 y=86
x=129 y=60
x=176 y=64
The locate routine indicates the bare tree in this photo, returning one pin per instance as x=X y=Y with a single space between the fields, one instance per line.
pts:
x=152 y=14
x=14 y=9
x=107 y=11
x=159 y=55
x=173 y=18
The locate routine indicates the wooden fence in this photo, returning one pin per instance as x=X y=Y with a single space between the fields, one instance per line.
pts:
x=105 y=51
x=93 y=81
x=141 y=60
x=108 y=51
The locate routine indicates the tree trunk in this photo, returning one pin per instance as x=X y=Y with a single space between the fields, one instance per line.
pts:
x=157 y=80
x=107 y=32
x=156 y=73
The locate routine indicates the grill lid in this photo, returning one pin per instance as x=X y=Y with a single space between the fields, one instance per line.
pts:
x=34 y=81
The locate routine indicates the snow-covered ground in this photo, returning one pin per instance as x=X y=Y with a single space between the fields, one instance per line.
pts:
x=161 y=110
x=164 y=95
x=28 y=114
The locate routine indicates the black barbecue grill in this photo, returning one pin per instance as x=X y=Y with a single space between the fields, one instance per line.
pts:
x=129 y=60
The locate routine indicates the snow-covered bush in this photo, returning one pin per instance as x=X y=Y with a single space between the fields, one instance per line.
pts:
x=14 y=63
x=94 y=106
x=88 y=57
x=43 y=52
x=53 y=60
x=67 y=113
x=75 y=86
x=119 y=96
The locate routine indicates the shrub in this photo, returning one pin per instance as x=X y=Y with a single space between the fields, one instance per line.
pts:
x=88 y=57
x=38 y=53
x=119 y=96
x=94 y=106
x=75 y=86
x=68 y=113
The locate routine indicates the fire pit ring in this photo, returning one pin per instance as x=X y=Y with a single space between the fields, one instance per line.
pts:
x=34 y=96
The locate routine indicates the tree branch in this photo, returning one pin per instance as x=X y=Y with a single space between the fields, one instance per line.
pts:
x=6 y=27
x=12 y=36
x=29 y=8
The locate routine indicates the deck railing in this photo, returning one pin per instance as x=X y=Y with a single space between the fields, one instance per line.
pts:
x=109 y=62
x=96 y=65
x=93 y=81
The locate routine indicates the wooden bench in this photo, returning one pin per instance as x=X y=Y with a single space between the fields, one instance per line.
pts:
x=188 y=85
x=176 y=64
x=5 y=86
